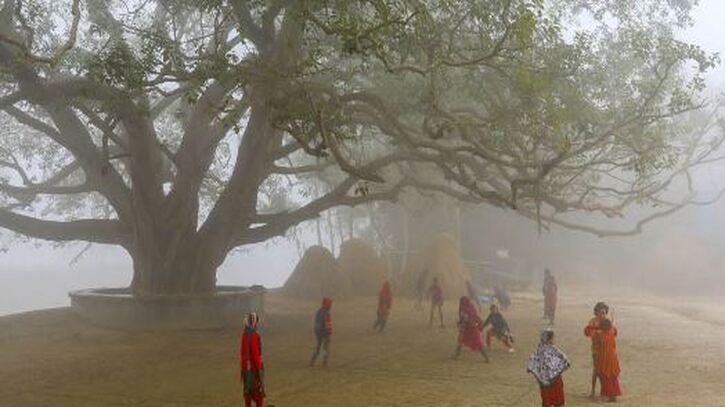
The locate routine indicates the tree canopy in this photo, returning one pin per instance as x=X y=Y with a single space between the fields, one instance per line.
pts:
x=180 y=129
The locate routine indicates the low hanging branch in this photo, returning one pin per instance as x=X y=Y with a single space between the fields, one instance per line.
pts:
x=213 y=109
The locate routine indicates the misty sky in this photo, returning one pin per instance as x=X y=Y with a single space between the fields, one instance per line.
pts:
x=48 y=271
x=709 y=32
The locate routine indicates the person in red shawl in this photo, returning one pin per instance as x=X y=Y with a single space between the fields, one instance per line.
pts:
x=251 y=366
x=469 y=328
x=604 y=353
x=550 y=290
x=435 y=292
x=323 y=331
x=385 y=303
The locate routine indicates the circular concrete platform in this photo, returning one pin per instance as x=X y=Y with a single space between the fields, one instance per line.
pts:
x=118 y=308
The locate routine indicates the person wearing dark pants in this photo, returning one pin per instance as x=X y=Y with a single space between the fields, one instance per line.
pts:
x=435 y=293
x=323 y=331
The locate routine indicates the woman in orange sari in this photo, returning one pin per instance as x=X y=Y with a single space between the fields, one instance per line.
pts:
x=606 y=361
x=604 y=353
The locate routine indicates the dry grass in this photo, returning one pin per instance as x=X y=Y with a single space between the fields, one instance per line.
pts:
x=51 y=358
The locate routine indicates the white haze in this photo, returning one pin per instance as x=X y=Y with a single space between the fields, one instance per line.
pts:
x=40 y=277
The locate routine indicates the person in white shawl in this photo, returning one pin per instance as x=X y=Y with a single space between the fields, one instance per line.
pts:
x=547 y=364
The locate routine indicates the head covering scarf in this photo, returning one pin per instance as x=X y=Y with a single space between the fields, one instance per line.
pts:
x=601 y=306
x=463 y=305
x=251 y=321
x=547 y=362
x=467 y=309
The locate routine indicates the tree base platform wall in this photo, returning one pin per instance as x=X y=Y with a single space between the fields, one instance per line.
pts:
x=118 y=308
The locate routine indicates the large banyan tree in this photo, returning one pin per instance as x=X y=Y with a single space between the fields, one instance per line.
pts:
x=181 y=129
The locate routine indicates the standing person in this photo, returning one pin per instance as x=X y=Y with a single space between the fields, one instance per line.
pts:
x=469 y=328
x=547 y=364
x=605 y=366
x=473 y=295
x=323 y=331
x=600 y=313
x=550 y=290
x=499 y=329
x=435 y=293
x=251 y=366
x=420 y=287
x=385 y=303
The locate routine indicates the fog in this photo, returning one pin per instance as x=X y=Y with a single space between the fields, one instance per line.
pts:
x=666 y=256
x=41 y=277
x=356 y=203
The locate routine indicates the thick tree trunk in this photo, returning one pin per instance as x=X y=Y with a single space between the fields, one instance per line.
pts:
x=164 y=272
x=166 y=255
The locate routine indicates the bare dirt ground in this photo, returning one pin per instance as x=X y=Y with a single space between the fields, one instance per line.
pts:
x=671 y=355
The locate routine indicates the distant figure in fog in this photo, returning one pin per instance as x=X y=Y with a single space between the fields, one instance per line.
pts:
x=252 y=368
x=323 y=331
x=502 y=296
x=435 y=293
x=550 y=291
x=499 y=329
x=469 y=328
x=385 y=303
x=605 y=361
x=547 y=364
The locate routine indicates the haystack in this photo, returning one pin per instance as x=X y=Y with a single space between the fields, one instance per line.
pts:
x=317 y=275
x=365 y=269
x=442 y=259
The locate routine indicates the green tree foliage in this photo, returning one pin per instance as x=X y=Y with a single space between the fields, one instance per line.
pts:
x=182 y=129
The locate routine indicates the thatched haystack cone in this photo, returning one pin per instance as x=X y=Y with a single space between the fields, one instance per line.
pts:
x=317 y=275
x=365 y=269
x=442 y=259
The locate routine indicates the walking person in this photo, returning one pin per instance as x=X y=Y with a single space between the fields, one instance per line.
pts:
x=550 y=291
x=435 y=293
x=385 y=303
x=323 y=331
x=548 y=364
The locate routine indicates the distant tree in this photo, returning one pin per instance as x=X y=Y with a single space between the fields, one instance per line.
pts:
x=181 y=129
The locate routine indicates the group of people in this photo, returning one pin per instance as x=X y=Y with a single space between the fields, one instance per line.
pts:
x=547 y=363
x=470 y=325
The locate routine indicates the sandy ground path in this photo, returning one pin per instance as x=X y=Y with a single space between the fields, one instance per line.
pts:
x=671 y=356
